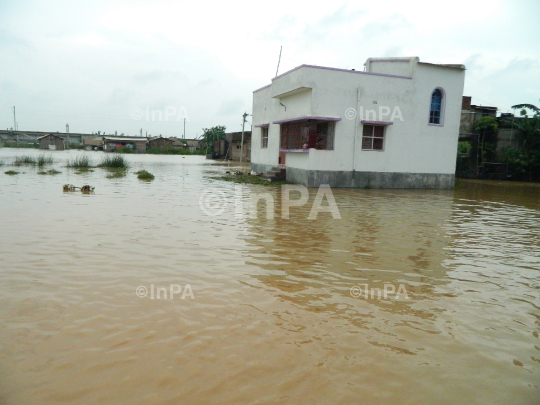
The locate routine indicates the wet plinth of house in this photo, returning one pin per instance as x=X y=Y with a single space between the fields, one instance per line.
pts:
x=173 y=292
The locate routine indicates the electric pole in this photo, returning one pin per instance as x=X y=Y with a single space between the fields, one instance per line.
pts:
x=184 y=128
x=279 y=60
x=242 y=142
x=14 y=120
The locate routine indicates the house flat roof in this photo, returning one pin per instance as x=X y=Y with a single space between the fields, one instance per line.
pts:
x=359 y=72
x=453 y=66
x=305 y=118
x=124 y=138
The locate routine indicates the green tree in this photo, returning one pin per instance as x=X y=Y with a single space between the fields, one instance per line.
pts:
x=486 y=126
x=529 y=127
x=524 y=162
x=524 y=107
x=210 y=135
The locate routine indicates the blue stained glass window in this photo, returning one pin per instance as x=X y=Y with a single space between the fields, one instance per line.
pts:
x=436 y=107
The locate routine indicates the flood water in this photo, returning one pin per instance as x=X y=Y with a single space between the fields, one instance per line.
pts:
x=262 y=310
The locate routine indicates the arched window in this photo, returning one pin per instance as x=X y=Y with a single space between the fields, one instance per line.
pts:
x=435 y=110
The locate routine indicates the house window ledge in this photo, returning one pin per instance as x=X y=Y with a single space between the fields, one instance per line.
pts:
x=295 y=150
x=377 y=122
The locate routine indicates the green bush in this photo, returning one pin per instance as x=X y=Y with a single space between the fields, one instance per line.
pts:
x=116 y=172
x=169 y=151
x=11 y=172
x=44 y=160
x=20 y=145
x=521 y=164
x=144 y=175
x=24 y=160
x=464 y=148
x=115 y=161
x=82 y=162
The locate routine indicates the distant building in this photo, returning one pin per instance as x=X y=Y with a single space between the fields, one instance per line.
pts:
x=394 y=125
x=93 y=143
x=51 y=142
x=192 y=144
x=111 y=143
x=176 y=143
x=471 y=113
x=234 y=146
x=160 y=143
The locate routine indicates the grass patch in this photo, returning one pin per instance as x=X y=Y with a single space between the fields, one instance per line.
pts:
x=51 y=172
x=20 y=145
x=80 y=162
x=144 y=175
x=124 y=149
x=83 y=170
x=170 y=151
x=248 y=179
x=24 y=160
x=116 y=173
x=43 y=160
x=11 y=172
x=115 y=162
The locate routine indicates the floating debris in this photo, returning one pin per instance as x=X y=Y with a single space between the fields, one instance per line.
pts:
x=69 y=187
x=86 y=189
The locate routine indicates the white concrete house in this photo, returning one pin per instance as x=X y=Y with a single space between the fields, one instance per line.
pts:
x=395 y=125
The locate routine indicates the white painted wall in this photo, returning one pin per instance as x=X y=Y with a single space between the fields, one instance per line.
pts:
x=392 y=66
x=411 y=145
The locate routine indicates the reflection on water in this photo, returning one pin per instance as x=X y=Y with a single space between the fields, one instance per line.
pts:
x=273 y=319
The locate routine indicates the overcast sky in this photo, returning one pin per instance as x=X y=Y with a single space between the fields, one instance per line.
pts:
x=102 y=65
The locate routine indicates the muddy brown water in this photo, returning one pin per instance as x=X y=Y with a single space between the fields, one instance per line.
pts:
x=262 y=309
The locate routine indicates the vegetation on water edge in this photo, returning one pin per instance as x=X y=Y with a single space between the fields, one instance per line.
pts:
x=249 y=179
x=43 y=160
x=144 y=175
x=11 y=172
x=83 y=170
x=175 y=151
x=50 y=171
x=116 y=172
x=80 y=162
x=24 y=160
x=114 y=161
x=20 y=145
